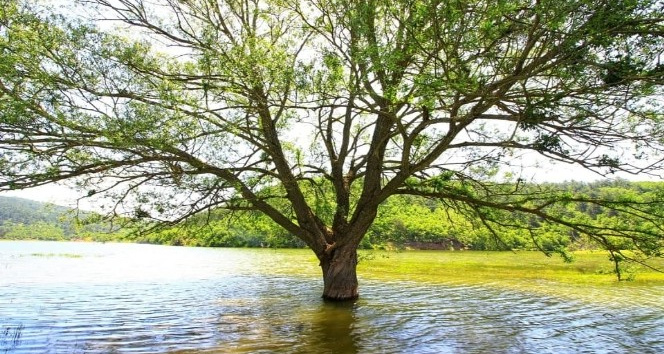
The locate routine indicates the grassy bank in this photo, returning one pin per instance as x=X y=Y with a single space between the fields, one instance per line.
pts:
x=589 y=267
x=589 y=278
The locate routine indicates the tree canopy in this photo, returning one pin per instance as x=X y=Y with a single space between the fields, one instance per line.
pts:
x=167 y=109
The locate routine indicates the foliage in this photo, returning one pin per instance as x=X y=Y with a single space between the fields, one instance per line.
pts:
x=225 y=230
x=37 y=231
x=404 y=220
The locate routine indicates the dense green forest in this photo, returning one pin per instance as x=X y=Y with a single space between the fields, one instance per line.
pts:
x=23 y=219
x=403 y=221
x=410 y=221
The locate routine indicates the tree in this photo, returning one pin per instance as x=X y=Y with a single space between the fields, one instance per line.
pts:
x=175 y=108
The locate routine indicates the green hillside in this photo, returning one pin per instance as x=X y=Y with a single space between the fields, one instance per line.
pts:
x=31 y=220
x=27 y=211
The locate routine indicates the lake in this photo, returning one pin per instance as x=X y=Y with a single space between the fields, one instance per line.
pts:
x=130 y=298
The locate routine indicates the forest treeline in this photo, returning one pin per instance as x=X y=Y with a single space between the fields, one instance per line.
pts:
x=417 y=222
x=403 y=221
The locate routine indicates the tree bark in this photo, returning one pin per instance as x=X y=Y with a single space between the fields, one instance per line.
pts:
x=339 y=274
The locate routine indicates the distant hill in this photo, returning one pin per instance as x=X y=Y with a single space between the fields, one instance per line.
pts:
x=25 y=211
x=28 y=219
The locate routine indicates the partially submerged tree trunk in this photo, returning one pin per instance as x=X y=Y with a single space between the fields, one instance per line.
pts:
x=340 y=273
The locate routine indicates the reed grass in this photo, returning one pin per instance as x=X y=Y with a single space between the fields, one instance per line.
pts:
x=589 y=278
x=588 y=267
x=64 y=255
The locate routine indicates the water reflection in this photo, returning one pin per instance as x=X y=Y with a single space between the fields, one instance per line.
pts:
x=332 y=328
x=228 y=301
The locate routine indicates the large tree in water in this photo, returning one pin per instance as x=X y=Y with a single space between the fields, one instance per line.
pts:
x=315 y=112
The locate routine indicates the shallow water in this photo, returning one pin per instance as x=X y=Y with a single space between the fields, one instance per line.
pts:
x=123 y=298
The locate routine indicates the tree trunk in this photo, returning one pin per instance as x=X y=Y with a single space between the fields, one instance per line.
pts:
x=339 y=274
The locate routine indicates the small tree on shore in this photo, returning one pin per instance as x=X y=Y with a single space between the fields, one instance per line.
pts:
x=171 y=108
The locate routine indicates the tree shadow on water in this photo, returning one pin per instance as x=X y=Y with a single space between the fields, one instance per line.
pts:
x=332 y=329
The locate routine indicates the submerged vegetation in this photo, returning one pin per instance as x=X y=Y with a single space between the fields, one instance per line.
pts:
x=48 y=255
x=515 y=268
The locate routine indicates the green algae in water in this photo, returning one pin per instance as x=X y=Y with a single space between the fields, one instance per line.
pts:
x=63 y=255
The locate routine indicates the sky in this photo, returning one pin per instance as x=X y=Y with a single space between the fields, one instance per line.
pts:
x=52 y=193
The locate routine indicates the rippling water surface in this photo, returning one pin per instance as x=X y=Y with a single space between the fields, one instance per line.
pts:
x=126 y=298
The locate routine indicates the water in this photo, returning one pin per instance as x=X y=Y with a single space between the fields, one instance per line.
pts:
x=125 y=298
